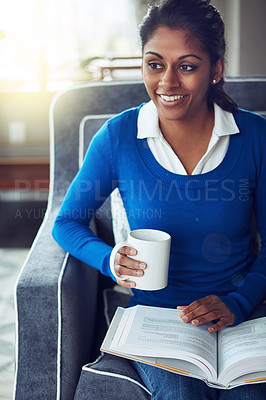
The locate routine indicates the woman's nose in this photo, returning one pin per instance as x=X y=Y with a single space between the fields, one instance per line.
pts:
x=170 y=79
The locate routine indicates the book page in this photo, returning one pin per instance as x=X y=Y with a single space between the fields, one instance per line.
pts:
x=122 y=319
x=159 y=332
x=246 y=340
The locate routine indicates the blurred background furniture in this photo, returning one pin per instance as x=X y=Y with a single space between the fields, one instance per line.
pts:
x=111 y=68
x=60 y=303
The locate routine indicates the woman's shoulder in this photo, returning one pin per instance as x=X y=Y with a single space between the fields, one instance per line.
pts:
x=119 y=132
x=115 y=127
x=122 y=128
x=250 y=119
x=252 y=125
x=128 y=116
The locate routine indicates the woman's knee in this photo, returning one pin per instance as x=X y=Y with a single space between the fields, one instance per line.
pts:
x=166 y=385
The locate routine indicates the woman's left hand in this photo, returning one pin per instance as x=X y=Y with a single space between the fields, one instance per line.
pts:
x=207 y=309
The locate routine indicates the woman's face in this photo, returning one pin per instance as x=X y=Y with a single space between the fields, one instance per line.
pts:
x=177 y=73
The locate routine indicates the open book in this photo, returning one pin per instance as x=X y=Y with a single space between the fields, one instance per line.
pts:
x=231 y=357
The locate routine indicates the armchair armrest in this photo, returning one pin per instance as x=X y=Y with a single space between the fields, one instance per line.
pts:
x=55 y=320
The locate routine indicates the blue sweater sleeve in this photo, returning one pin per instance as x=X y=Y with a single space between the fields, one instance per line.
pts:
x=89 y=189
x=252 y=292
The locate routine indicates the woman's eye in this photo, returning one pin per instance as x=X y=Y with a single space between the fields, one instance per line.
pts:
x=188 y=67
x=155 y=66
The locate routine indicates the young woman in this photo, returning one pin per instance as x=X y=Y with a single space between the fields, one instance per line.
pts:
x=195 y=152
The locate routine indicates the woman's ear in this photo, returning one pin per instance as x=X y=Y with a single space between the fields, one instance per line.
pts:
x=218 y=71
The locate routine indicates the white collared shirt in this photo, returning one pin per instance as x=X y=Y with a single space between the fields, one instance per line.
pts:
x=148 y=127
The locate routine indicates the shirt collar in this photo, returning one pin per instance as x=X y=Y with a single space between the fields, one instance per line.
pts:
x=224 y=122
x=148 y=122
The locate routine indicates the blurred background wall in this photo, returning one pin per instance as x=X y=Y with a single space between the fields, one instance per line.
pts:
x=47 y=45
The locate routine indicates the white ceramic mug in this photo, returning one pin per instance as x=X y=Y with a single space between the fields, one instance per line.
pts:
x=153 y=248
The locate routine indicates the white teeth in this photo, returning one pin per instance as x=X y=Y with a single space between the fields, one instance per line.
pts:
x=172 y=98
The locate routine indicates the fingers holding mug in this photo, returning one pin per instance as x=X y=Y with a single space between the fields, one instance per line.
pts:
x=124 y=265
x=142 y=261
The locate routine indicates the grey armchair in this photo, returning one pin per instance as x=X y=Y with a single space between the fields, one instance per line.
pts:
x=59 y=301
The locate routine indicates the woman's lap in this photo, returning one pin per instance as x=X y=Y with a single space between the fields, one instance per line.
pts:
x=166 y=385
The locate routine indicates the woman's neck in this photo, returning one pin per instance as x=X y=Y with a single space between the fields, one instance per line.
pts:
x=189 y=129
x=189 y=139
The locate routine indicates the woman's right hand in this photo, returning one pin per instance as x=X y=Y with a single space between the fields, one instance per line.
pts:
x=125 y=265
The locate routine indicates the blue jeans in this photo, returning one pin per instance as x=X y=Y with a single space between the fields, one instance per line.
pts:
x=166 y=385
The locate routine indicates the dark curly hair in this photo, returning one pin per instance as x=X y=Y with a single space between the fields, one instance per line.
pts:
x=205 y=22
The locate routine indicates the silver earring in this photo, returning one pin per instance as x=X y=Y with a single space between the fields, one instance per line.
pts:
x=214 y=81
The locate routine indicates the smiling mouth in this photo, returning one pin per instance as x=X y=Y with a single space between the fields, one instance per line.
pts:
x=171 y=98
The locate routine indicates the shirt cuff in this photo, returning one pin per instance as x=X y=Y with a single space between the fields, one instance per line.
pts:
x=111 y=262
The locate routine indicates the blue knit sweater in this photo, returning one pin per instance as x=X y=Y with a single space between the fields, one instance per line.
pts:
x=208 y=216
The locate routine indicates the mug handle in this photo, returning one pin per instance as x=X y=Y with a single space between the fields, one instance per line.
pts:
x=112 y=261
